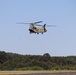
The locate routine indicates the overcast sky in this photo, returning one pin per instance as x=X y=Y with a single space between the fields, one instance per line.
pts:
x=57 y=41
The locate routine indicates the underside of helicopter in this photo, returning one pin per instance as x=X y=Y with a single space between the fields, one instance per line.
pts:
x=31 y=31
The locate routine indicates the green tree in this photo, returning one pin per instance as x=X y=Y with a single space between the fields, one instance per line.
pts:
x=3 y=57
x=46 y=55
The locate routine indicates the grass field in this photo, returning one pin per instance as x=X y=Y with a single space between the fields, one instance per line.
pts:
x=33 y=72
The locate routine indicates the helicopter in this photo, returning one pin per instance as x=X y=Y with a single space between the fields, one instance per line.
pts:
x=34 y=29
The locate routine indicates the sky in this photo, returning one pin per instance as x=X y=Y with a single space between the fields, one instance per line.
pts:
x=57 y=41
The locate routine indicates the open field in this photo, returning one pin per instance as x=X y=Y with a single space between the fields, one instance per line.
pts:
x=37 y=72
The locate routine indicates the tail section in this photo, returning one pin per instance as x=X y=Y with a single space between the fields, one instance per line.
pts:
x=44 y=27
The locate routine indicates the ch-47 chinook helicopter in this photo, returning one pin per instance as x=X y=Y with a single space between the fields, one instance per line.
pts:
x=34 y=29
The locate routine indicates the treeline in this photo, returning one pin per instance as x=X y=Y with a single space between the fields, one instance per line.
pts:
x=12 y=61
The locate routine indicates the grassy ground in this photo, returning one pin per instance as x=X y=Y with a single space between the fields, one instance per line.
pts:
x=29 y=72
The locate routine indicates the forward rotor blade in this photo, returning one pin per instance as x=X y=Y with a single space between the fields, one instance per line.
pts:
x=22 y=23
x=28 y=23
x=37 y=22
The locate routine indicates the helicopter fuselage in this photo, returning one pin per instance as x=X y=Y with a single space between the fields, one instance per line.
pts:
x=34 y=29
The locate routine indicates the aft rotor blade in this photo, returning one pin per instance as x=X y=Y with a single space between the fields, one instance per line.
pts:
x=37 y=22
x=47 y=25
x=50 y=25
x=38 y=25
